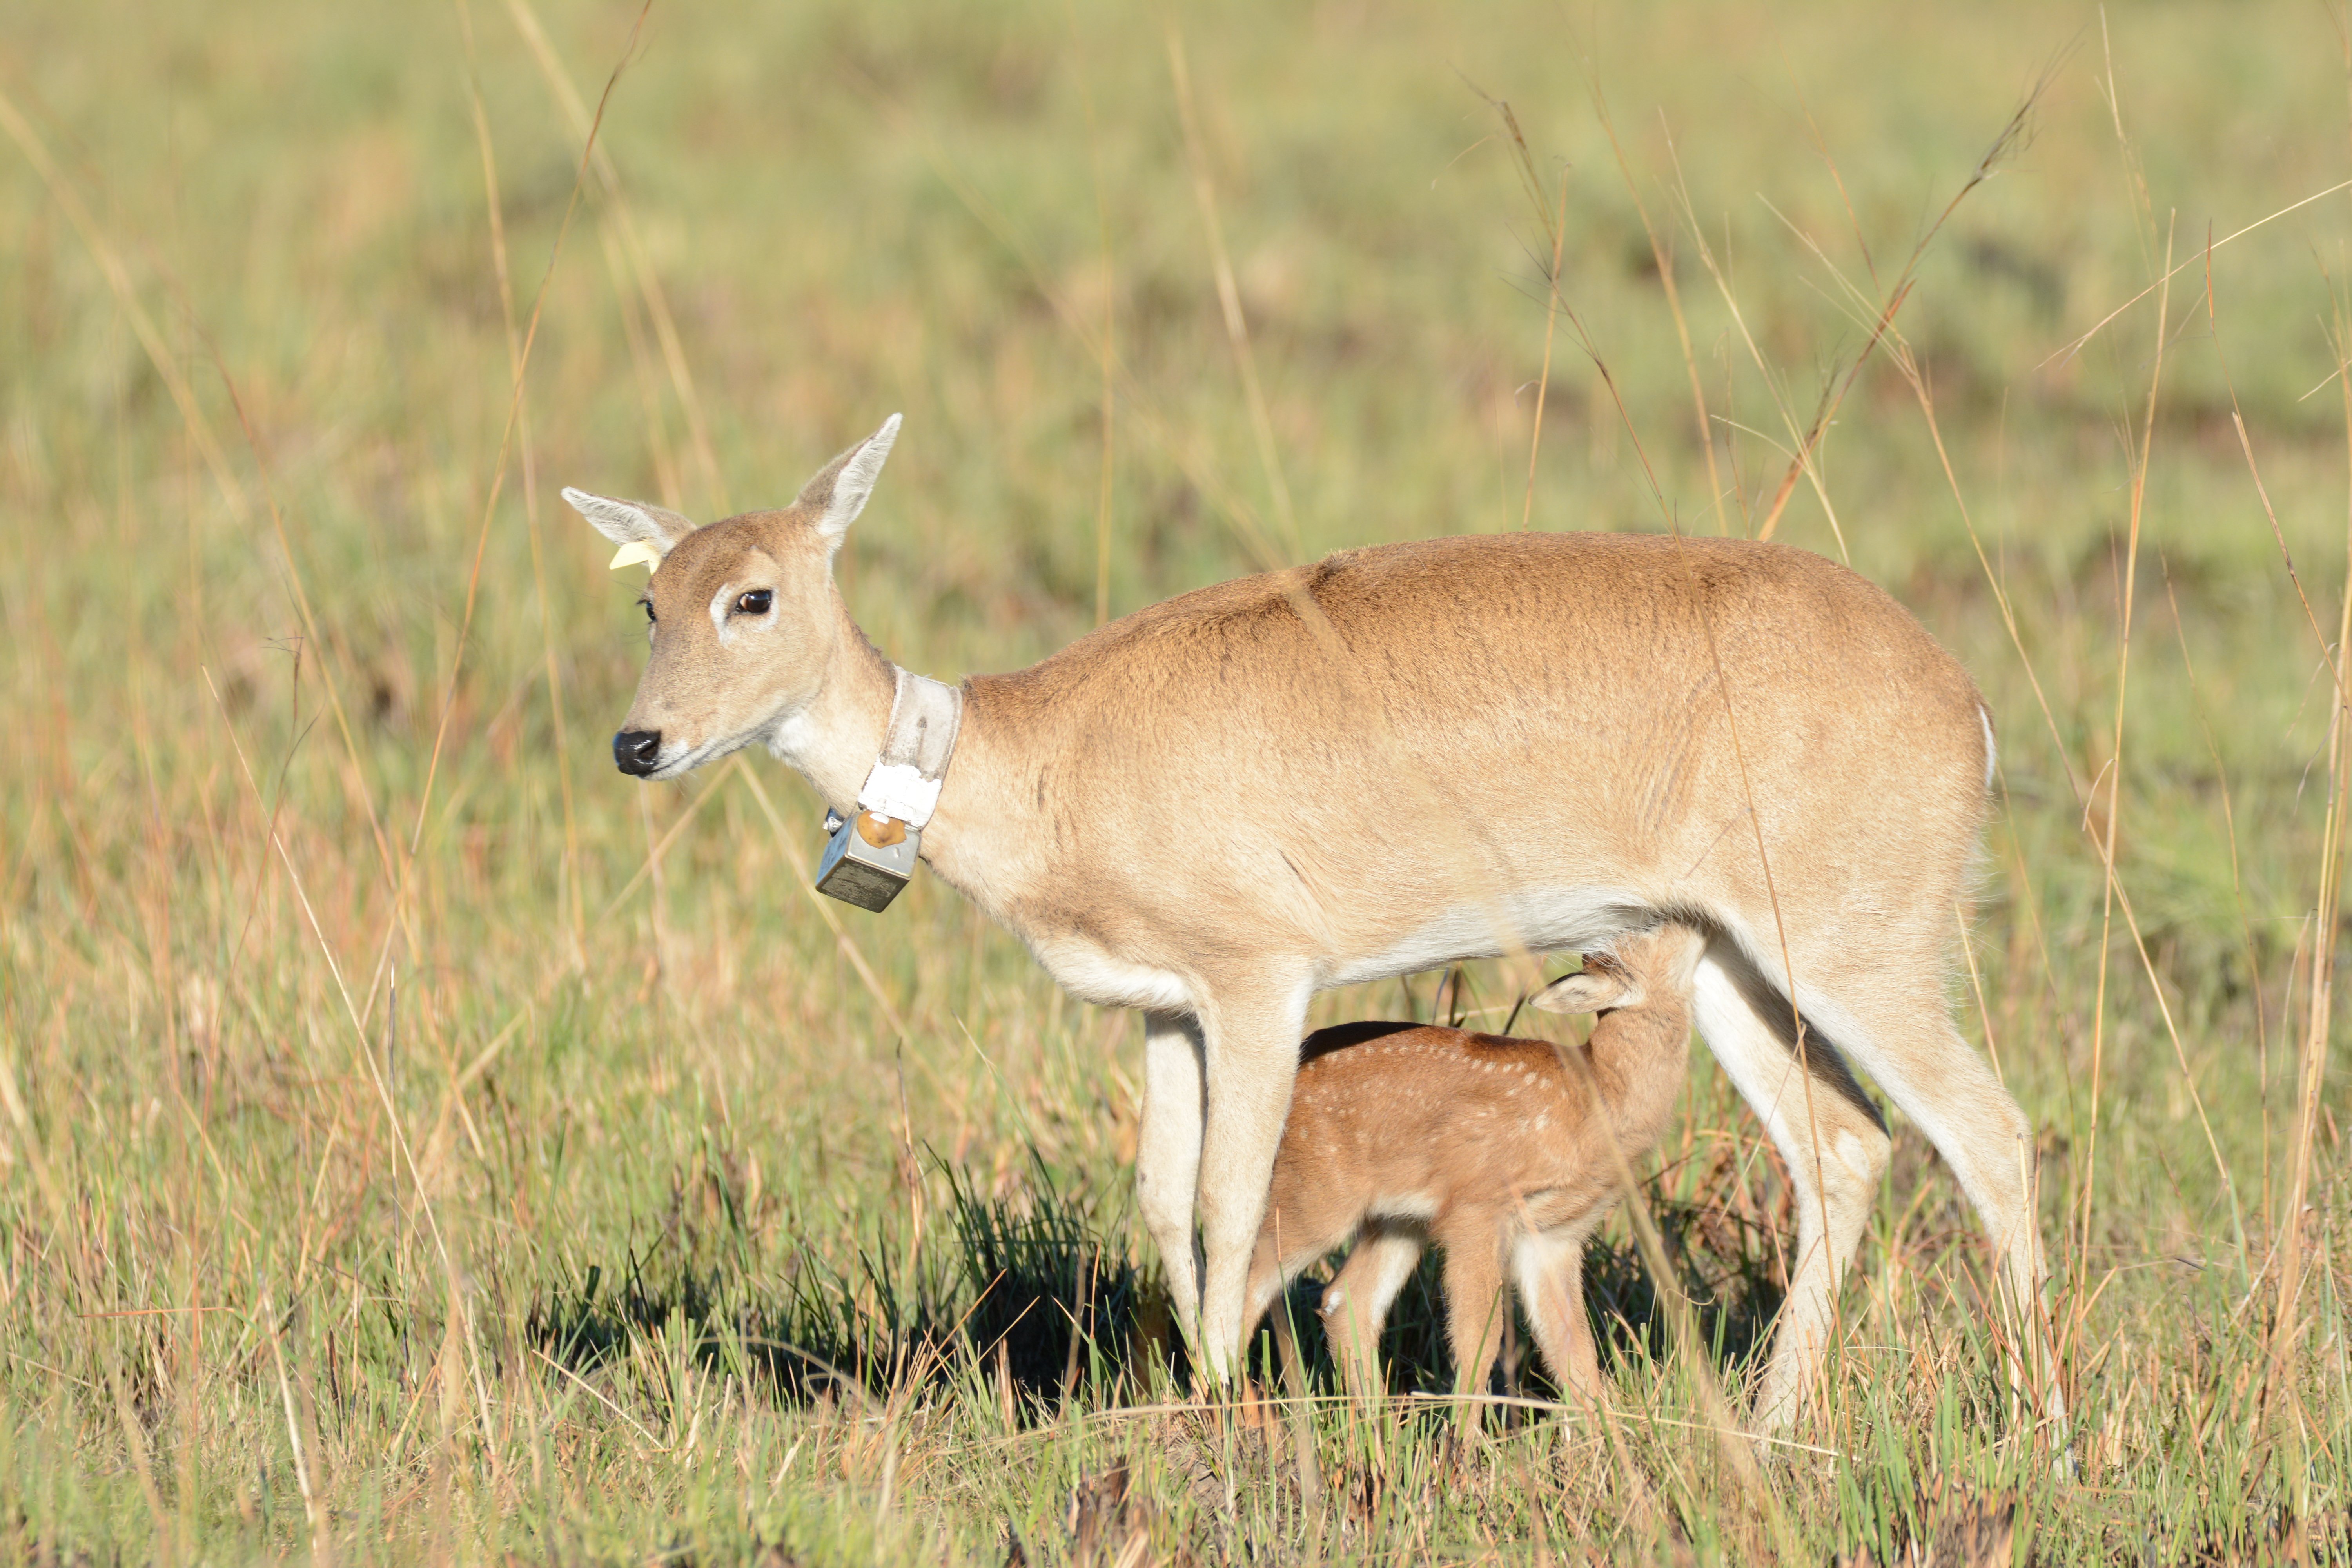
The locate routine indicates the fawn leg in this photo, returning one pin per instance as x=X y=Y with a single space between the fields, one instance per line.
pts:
x=1357 y=1305
x=1550 y=1264
x=1474 y=1303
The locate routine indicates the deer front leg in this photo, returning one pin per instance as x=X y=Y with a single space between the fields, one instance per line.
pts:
x=1167 y=1158
x=1252 y=1057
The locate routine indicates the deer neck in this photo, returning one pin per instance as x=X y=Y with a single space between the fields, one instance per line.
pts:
x=1638 y=1069
x=972 y=842
x=833 y=741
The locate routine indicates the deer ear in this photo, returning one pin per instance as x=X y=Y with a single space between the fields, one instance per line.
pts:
x=646 y=532
x=838 y=492
x=1588 y=991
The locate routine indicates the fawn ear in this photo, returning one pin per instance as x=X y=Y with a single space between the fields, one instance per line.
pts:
x=646 y=532
x=838 y=492
x=1589 y=991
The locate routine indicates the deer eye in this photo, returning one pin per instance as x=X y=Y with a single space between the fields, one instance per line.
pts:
x=647 y=606
x=756 y=602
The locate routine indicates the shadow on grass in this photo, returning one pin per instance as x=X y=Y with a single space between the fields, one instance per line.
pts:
x=1028 y=1293
x=1024 y=1285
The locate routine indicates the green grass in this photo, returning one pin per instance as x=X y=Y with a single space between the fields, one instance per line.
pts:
x=399 y=1161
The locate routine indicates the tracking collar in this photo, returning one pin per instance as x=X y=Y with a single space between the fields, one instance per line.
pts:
x=871 y=857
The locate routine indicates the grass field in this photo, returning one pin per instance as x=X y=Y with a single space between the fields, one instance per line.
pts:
x=418 y=1142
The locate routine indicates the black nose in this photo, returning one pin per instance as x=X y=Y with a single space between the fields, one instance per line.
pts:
x=637 y=752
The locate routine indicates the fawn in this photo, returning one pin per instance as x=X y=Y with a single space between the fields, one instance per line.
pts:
x=1497 y=1149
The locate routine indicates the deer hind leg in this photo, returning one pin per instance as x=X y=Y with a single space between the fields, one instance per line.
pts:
x=1252 y=1057
x=1355 y=1305
x=1167 y=1158
x=1474 y=1303
x=1902 y=1034
x=1831 y=1139
x=1549 y=1269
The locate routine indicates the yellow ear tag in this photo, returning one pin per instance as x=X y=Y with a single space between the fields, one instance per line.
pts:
x=637 y=554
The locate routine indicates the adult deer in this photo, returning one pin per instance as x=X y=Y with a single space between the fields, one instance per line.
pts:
x=1395 y=758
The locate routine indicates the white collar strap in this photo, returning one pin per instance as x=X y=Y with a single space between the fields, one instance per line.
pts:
x=925 y=716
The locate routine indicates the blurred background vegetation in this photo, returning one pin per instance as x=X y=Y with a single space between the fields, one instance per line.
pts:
x=422 y=1141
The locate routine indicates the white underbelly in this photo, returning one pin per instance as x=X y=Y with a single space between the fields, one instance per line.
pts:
x=1550 y=919
x=1541 y=920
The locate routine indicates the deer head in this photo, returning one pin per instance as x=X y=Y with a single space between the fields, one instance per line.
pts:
x=748 y=631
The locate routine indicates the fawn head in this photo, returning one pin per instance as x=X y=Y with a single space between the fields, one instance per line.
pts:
x=1649 y=965
x=742 y=614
